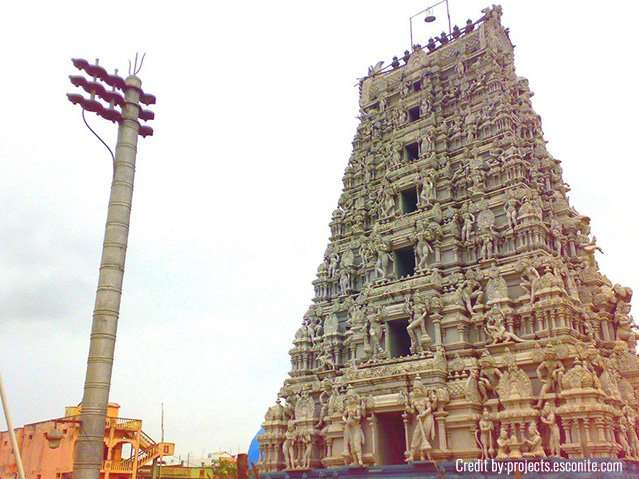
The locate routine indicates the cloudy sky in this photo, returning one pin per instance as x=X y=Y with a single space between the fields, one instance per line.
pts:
x=255 y=117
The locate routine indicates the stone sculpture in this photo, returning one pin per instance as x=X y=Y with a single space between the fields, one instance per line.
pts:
x=422 y=405
x=353 y=435
x=485 y=439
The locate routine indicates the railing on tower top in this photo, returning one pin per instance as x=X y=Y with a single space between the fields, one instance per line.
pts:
x=433 y=45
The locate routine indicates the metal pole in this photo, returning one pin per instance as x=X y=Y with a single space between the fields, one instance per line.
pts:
x=410 y=21
x=90 y=443
x=450 y=29
x=12 y=433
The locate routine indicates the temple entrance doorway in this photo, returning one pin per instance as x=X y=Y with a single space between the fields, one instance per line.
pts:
x=390 y=438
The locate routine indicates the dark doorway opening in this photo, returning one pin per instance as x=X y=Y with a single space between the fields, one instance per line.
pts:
x=413 y=114
x=405 y=261
x=398 y=338
x=412 y=152
x=391 y=438
x=409 y=200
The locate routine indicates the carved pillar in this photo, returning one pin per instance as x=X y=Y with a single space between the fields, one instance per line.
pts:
x=587 y=433
x=437 y=320
x=562 y=318
x=604 y=331
x=461 y=331
x=599 y=429
x=553 y=319
x=568 y=430
x=509 y=324
x=405 y=421
x=372 y=426
x=440 y=417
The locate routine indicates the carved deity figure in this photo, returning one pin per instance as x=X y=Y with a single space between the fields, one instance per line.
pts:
x=307 y=445
x=488 y=245
x=557 y=235
x=333 y=263
x=468 y=220
x=422 y=405
x=426 y=145
x=503 y=444
x=622 y=437
x=530 y=278
x=353 y=434
x=384 y=263
x=630 y=416
x=344 y=281
x=388 y=208
x=510 y=207
x=549 y=373
x=495 y=328
x=534 y=442
x=470 y=291
x=288 y=447
x=325 y=361
x=395 y=155
x=425 y=107
x=489 y=375
x=472 y=387
x=485 y=435
x=428 y=193
x=417 y=327
x=625 y=325
x=376 y=332
x=549 y=418
x=424 y=249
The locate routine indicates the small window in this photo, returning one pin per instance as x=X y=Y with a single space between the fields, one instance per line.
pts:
x=30 y=436
x=417 y=86
x=405 y=262
x=412 y=151
x=413 y=114
x=398 y=338
x=409 y=200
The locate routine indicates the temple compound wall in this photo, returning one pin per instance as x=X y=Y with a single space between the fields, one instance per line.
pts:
x=459 y=311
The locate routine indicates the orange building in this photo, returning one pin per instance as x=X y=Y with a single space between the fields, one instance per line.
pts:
x=47 y=447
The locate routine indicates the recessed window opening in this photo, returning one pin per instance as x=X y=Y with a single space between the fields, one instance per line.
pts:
x=412 y=151
x=409 y=200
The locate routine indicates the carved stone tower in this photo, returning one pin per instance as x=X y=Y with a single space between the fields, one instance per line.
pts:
x=459 y=311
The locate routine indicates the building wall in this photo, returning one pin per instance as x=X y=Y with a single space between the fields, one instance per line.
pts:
x=39 y=460
x=42 y=462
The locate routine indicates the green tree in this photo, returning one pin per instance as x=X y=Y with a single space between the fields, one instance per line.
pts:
x=224 y=468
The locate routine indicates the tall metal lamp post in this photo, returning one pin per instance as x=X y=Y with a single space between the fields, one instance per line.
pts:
x=123 y=108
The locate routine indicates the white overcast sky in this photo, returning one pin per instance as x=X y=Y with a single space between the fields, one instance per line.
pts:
x=255 y=117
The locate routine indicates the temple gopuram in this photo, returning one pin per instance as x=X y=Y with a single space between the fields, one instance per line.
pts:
x=459 y=310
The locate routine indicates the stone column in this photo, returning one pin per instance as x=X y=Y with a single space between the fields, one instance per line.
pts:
x=437 y=320
x=406 y=438
x=440 y=417
x=372 y=427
